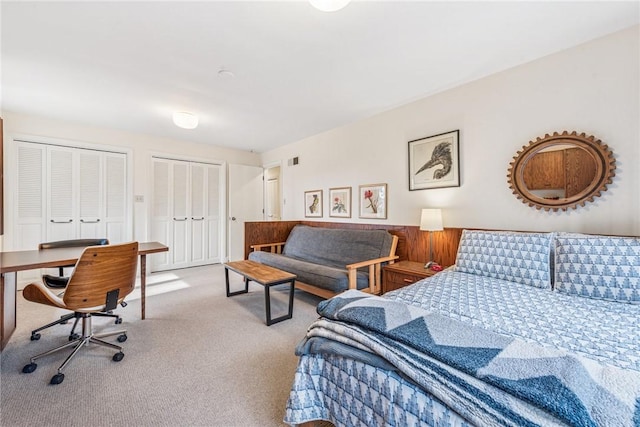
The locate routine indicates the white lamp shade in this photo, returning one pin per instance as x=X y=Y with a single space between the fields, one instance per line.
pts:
x=185 y=120
x=329 y=5
x=431 y=220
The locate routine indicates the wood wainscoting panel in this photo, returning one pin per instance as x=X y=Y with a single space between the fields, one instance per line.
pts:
x=261 y=232
x=445 y=245
x=413 y=244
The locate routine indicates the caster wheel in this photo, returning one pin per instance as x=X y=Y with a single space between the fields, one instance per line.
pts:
x=35 y=337
x=29 y=368
x=56 y=379
x=118 y=357
x=118 y=321
x=122 y=338
x=73 y=337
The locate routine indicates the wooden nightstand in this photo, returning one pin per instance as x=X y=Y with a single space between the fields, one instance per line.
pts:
x=403 y=273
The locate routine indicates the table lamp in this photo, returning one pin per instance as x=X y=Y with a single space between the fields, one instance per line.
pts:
x=431 y=220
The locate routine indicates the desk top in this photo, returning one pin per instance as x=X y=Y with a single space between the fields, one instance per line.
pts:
x=33 y=259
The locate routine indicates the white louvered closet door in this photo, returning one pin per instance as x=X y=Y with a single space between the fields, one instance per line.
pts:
x=212 y=214
x=30 y=196
x=181 y=221
x=186 y=213
x=61 y=200
x=197 y=216
x=161 y=222
x=70 y=193
x=91 y=204
x=115 y=197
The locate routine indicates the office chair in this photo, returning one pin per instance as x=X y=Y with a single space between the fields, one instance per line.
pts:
x=102 y=278
x=60 y=282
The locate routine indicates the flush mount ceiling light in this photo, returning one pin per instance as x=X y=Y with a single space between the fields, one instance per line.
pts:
x=185 y=120
x=329 y=5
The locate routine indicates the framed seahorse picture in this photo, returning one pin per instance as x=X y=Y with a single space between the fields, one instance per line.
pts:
x=313 y=204
x=434 y=161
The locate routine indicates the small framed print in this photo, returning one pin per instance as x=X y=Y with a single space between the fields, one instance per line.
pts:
x=373 y=201
x=434 y=161
x=313 y=204
x=340 y=202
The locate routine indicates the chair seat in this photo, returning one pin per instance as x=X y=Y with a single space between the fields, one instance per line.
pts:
x=55 y=281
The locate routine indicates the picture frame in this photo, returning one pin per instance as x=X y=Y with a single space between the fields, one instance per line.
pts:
x=313 y=204
x=373 y=201
x=340 y=202
x=434 y=161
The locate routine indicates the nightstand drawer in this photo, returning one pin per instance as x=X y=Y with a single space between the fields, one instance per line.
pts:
x=401 y=279
x=403 y=273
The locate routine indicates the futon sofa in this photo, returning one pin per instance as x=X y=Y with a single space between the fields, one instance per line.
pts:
x=328 y=261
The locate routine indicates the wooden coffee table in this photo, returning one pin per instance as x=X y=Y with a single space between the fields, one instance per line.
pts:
x=267 y=277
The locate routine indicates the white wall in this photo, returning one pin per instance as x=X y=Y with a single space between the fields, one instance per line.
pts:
x=142 y=146
x=593 y=88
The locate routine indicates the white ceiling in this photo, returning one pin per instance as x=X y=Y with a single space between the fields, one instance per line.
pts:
x=298 y=71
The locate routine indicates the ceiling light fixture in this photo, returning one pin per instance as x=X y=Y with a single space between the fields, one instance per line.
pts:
x=329 y=5
x=185 y=120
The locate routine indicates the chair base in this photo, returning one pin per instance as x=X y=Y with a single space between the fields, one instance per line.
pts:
x=87 y=337
x=35 y=335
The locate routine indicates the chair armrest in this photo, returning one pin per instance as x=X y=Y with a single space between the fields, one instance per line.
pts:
x=274 y=247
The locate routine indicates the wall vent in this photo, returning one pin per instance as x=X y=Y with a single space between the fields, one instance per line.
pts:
x=293 y=161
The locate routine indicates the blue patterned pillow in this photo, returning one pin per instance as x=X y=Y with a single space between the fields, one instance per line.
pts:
x=507 y=255
x=600 y=267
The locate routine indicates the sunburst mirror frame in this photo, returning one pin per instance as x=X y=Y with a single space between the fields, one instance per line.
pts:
x=601 y=154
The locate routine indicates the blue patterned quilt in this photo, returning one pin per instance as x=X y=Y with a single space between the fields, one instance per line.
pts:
x=487 y=377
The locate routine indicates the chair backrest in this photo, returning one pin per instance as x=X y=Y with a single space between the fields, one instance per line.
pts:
x=100 y=270
x=74 y=243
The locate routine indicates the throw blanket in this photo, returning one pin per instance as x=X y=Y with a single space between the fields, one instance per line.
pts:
x=488 y=378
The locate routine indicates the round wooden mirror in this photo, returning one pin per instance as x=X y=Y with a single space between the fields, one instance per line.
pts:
x=561 y=171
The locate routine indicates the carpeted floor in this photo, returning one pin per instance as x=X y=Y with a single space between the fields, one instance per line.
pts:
x=199 y=359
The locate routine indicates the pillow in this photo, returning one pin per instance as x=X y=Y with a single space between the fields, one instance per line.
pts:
x=508 y=255
x=599 y=267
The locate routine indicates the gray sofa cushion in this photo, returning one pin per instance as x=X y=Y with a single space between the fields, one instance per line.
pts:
x=336 y=247
x=331 y=278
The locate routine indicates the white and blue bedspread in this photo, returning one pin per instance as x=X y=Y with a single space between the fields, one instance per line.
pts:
x=604 y=330
x=503 y=354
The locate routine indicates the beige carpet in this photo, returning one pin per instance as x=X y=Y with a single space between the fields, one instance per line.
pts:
x=199 y=359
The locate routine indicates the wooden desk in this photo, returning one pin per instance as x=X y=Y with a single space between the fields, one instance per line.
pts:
x=12 y=262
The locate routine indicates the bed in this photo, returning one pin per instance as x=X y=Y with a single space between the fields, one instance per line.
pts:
x=526 y=329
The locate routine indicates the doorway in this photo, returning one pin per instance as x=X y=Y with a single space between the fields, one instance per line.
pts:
x=273 y=200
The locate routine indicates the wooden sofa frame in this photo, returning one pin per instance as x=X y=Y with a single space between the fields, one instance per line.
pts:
x=374 y=267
